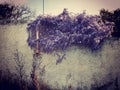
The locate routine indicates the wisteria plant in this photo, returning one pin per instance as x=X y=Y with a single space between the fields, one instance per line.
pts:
x=63 y=31
x=57 y=33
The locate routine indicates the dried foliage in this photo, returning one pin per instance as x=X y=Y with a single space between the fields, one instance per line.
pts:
x=11 y=14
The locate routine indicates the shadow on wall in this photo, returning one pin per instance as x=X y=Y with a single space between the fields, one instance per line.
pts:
x=8 y=83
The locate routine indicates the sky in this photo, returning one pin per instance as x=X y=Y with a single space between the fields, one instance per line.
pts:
x=76 y=6
x=16 y=2
x=54 y=7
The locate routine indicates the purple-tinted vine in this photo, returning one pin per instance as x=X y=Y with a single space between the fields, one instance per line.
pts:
x=63 y=31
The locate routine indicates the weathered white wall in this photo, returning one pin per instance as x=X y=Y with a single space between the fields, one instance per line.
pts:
x=80 y=68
